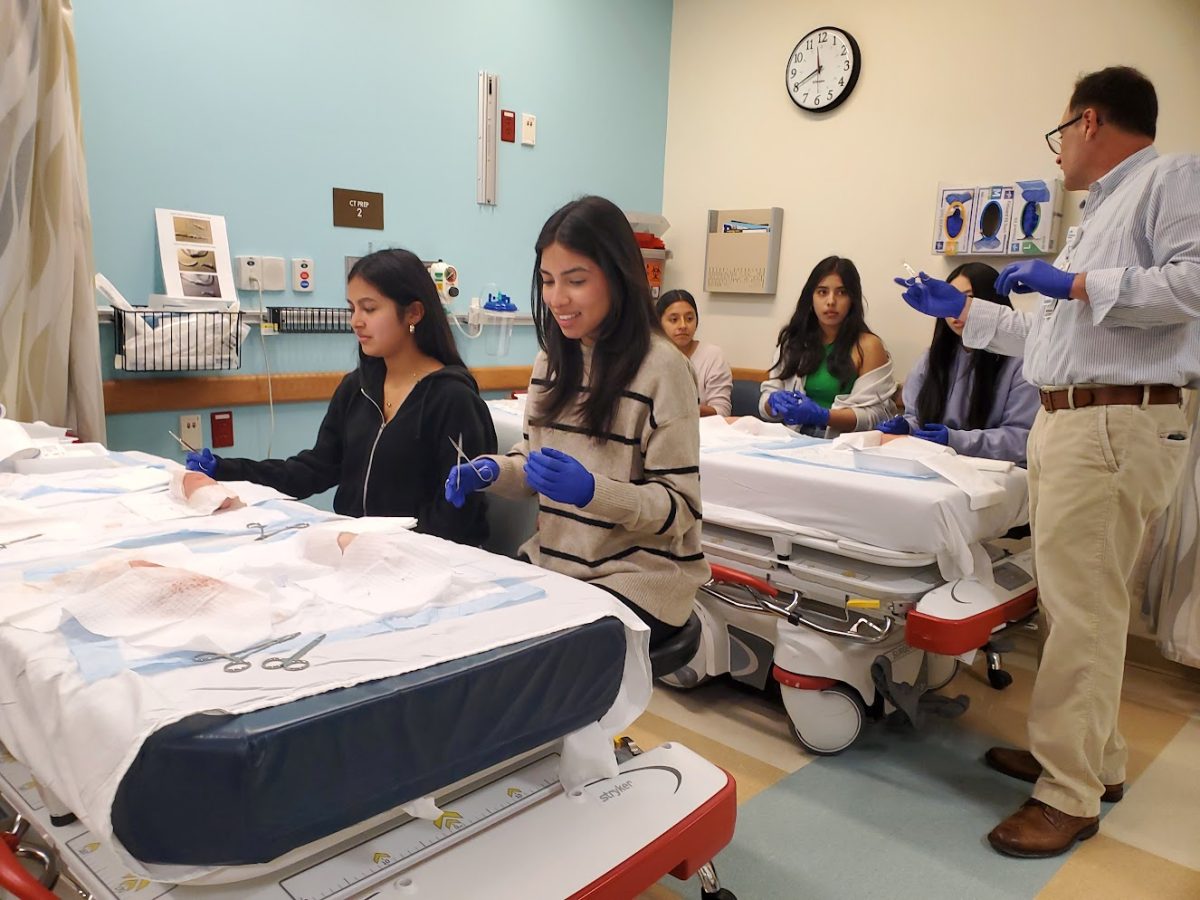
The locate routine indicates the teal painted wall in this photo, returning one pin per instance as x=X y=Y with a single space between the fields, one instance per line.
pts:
x=256 y=110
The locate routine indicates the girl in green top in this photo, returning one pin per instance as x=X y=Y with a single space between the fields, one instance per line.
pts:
x=831 y=372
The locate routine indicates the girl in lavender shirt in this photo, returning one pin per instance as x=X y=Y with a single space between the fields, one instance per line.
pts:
x=677 y=313
x=976 y=402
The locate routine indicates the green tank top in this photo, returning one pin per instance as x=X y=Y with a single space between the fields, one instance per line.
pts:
x=821 y=385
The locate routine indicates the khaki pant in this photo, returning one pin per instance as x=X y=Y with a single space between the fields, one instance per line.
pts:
x=1098 y=478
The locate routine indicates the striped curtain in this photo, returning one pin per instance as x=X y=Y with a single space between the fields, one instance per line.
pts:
x=49 y=337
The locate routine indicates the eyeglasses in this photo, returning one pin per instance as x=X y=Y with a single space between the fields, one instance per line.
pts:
x=1054 y=136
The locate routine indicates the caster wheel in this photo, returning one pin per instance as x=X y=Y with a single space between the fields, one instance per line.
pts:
x=999 y=678
x=942 y=670
x=825 y=722
x=722 y=894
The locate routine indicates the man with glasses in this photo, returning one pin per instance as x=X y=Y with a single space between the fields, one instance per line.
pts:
x=1114 y=337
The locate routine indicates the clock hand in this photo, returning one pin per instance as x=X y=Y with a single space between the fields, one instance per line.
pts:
x=808 y=76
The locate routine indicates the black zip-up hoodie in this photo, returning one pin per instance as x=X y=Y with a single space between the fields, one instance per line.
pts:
x=397 y=468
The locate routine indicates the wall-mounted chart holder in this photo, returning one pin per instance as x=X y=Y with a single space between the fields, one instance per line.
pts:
x=742 y=251
x=308 y=319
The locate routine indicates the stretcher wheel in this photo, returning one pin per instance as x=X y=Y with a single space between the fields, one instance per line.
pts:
x=722 y=894
x=999 y=678
x=942 y=670
x=825 y=722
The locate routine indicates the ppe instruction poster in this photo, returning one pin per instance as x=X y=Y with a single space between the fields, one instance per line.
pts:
x=195 y=255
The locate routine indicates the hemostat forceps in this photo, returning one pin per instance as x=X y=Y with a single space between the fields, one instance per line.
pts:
x=263 y=534
x=237 y=661
x=485 y=474
x=4 y=545
x=295 y=662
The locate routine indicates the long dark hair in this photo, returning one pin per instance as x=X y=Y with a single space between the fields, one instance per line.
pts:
x=595 y=228
x=401 y=277
x=983 y=366
x=801 y=343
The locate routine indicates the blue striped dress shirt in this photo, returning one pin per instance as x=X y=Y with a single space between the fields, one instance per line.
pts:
x=1139 y=243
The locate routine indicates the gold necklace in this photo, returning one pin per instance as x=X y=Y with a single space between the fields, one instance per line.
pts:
x=388 y=404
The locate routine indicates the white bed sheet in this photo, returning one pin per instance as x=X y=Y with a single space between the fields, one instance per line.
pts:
x=916 y=515
x=78 y=706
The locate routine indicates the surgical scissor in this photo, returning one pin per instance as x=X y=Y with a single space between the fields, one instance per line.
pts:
x=237 y=660
x=263 y=534
x=485 y=474
x=295 y=662
x=4 y=545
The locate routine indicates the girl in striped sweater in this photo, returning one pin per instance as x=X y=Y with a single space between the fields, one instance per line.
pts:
x=611 y=440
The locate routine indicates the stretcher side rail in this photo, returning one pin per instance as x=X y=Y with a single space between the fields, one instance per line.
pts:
x=14 y=877
x=764 y=595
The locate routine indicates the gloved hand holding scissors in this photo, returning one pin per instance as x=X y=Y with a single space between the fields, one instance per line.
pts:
x=560 y=477
x=468 y=477
x=933 y=296
x=202 y=461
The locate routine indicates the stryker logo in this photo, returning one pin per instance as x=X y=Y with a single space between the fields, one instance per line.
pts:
x=616 y=791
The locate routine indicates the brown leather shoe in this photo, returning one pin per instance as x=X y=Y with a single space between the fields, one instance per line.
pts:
x=1036 y=830
x=1022 y=764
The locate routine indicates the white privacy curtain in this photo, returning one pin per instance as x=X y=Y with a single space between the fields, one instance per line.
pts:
x=1172 y=602
x=49 y=337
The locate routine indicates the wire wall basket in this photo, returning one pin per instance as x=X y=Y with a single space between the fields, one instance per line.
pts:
x=174 y=341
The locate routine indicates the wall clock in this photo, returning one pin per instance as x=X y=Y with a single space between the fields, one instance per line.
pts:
x=823 y=69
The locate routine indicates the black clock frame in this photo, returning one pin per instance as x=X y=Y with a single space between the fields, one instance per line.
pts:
x=849 y=89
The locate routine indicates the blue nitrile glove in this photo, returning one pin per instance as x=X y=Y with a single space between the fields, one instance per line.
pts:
x=933 y=296
x=470 y=477
x=807 y=412
x=779 y=402
x=1032 y=275
x=560 y=477
x=894 y=425
x=204 y=461
x=932 y=431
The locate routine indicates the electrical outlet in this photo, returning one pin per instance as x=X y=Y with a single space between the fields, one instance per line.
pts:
x=247 y=272
x=189 y=431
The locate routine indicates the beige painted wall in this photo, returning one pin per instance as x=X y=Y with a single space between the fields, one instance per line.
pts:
x=948 y=92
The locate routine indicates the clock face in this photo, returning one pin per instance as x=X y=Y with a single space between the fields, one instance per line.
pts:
x=822 y=69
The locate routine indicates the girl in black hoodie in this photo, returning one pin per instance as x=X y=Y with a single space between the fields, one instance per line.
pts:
x=386 y=438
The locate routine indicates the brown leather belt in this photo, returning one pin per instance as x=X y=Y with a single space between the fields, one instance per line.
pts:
x=1110 y=395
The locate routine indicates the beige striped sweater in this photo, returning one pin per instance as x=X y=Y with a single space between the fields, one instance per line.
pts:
x=639 y=537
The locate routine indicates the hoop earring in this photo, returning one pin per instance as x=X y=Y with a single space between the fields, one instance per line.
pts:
x=412 y=329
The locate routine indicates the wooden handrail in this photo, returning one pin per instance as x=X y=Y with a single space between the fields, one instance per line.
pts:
x=134 y=395
x=130 y=395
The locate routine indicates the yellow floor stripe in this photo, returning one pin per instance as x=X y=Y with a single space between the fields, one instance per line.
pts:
x=1106 y=869
x=752 y=775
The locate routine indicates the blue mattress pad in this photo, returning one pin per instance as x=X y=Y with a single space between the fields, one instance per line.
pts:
x=220 y=790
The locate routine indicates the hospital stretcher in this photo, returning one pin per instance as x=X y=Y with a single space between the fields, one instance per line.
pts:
x=820 y=573
x=849 y=623
x=303 y=797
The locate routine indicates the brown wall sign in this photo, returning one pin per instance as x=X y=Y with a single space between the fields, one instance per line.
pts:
x=357 y=209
